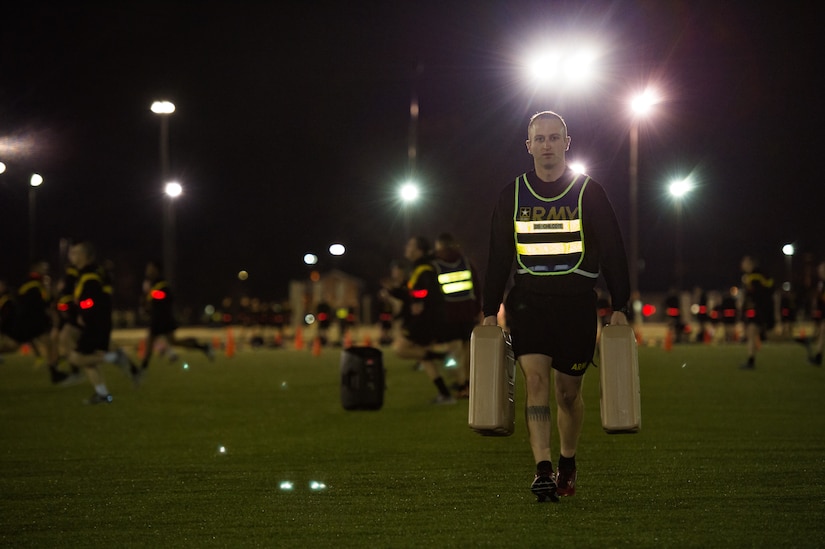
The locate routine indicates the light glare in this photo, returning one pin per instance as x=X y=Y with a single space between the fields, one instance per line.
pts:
x=680 y=188
x=36 y=180
x=788 y=249
x=310 y=259
x=337 y=249
x=642 y=103
x=409 y=192
x=163 y=107
x=173 y=189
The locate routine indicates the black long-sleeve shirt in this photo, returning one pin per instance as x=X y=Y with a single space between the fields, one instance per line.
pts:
x=602 y=239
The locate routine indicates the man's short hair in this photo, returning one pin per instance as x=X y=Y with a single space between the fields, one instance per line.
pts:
x=545 y=115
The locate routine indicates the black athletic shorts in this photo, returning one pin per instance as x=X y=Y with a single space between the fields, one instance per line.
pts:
x=421 y=329
x=561 y=327
x=94 y=339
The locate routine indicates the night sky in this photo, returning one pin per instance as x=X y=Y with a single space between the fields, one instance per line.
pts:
x=292 y=125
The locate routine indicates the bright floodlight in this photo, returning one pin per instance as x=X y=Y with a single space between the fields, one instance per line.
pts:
x=643 y=102
x=2 y=167
x=680 y=188
x=36 y=180
x=163 y=107
x=577 y=167
x=579 y=67
x=545 y=67
x=173 y=189
x=310 y=259
x=409 y=192
x=788 y=249
x=337 y=249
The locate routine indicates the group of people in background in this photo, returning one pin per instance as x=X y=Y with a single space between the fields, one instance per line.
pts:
x=758 y=305
x=435 y=289
x=68 y=324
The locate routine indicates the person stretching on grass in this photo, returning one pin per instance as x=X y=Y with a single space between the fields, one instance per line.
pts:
x=562 y=231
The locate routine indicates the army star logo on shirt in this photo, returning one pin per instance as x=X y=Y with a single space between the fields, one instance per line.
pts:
x=524 y=213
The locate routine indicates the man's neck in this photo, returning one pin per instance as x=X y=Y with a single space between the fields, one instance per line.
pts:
x=552 y=174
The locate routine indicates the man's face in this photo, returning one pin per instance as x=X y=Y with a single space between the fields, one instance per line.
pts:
x=547 y=143
x=411 y=252
x=78 y=256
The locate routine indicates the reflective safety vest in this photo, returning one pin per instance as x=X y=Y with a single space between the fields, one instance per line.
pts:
x=455 y=279
x=418 y=293
x=549 y=232
x=79 y=288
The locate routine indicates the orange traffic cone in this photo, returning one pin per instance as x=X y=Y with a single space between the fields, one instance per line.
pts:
x=279 y=339
x=230 y=343
x=299 y=338
x=316 y=347
x=141 y=350
x=348 y=339
x=367 y=340
x=25 y=349
x=668 y=340
x=707 y=338
x=638 y=334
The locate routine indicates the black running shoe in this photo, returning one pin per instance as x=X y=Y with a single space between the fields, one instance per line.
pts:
x=544 y=487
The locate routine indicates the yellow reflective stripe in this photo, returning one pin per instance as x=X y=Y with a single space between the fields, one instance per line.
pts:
x=78 y=289
x=554 y=248
x=446 y=278
x=455 y=287
x=34 y=284
x=548 y=226
x=417 y=273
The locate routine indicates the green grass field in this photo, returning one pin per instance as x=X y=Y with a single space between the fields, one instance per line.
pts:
x=725 y=458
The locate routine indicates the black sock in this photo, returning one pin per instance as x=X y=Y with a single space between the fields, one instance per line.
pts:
x=751 y=361
x=567 y=462
x=442 y=387
x=544 y=467
x=433 y=355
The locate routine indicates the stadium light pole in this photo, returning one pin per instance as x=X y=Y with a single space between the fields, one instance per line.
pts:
x=789 y=250
x=640 y=105
x=678 y=190
x=164 y=110
x=172 y=190
x=35 y=181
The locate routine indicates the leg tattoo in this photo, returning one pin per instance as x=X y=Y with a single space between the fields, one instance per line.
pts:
x=538 y=413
